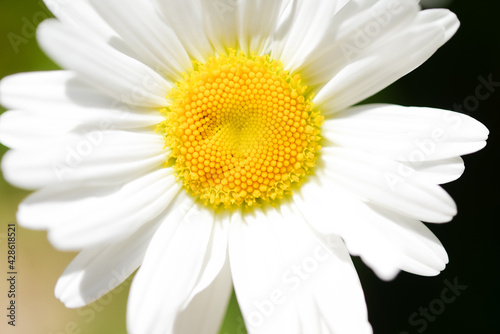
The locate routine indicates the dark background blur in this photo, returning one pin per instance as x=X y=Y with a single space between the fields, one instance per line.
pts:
x=409 y=304
x=448 y=79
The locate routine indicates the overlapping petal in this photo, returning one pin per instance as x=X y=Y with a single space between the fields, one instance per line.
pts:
x=96 y=271
x=144 y=30
x=207 y=307
x=86 y=215
x=387 y=60
x=411 y=134
x=170 y=270
x=379 y=181
x=193 y=35
x=62 y=95
x=79 y=14
x=388 y=242
x=303 y=25
x=90 y=157
x=349 y=33
x=288 y=280
x=103 y=67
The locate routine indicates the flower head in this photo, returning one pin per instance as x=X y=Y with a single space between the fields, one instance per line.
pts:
x=214 y=142
x=241 y=130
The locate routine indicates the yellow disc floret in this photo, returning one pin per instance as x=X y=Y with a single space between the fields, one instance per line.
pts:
x=241 y=129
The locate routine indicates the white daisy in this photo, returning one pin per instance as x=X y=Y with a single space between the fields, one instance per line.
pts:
x=213 y=142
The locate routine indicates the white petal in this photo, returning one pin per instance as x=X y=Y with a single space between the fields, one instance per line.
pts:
x=25 y=130
x=244 y=25
x=192 y=35
x=386 y=241
x=205 y=312
x=103 y=67
x=383 y=63
x=287 y=281
x=387 y=183
x=220 y=23
x=141 y=26
x=216 y=255
x=438 y=171
x=85 y=216
x=257 y=21
x=81 y=15
x=169 y=271
x=411 y=134
x=98 y=270
x=93 y=157
x=62 y=95
x=49 y=90
x=29 y=130
x=351 y=30
x=302 y=28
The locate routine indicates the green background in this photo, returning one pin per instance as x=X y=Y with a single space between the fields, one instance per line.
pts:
x=447 y=79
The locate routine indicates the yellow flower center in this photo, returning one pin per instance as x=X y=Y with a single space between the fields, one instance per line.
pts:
x=241 y=129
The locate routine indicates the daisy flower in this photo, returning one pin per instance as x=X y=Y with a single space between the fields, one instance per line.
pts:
x=214 y=143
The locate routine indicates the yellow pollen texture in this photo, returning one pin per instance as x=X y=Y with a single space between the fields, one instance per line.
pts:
x=241 y=130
